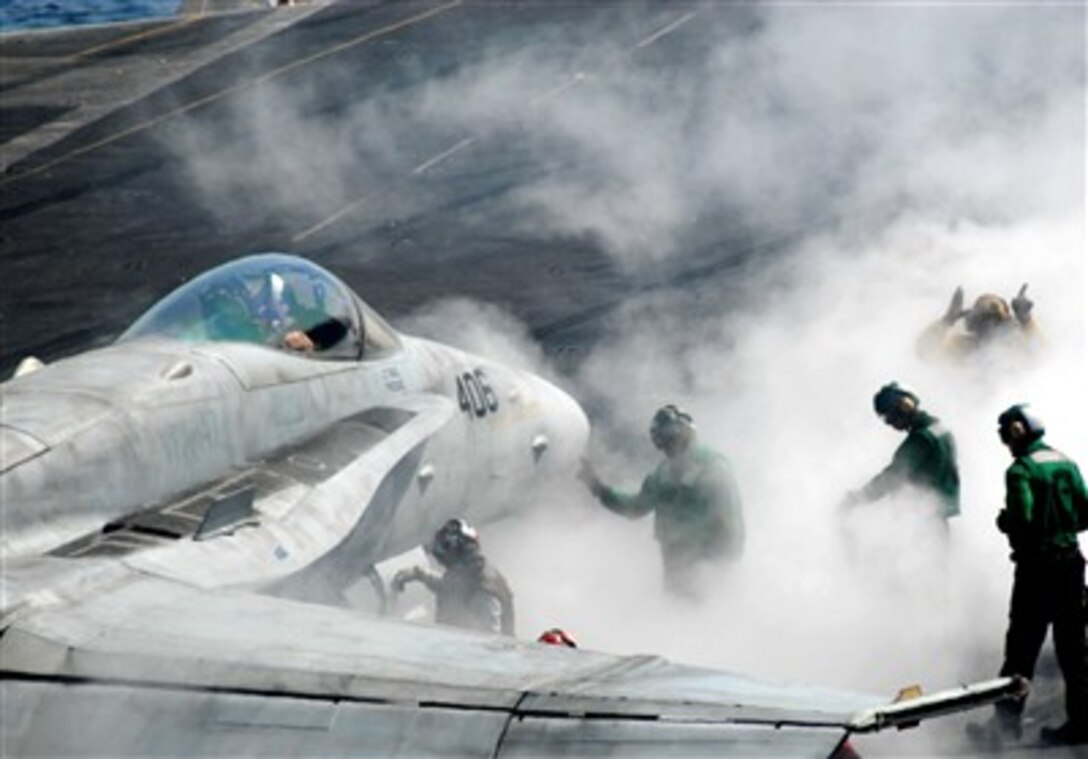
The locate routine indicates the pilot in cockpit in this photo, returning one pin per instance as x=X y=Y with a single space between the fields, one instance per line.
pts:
x=303 y=317
x=271 y=300
x=320 y=337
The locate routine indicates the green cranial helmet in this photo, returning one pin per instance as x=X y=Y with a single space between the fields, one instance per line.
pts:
x=670 y=420
x=887 y=399
x=1016 y=424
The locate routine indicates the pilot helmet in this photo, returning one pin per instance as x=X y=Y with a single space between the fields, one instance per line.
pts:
x=455 y=542
x=669 y=422
x=988 y=312
x=1017 y=427
x=272 y=304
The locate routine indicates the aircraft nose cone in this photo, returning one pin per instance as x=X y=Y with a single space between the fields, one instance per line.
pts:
x=567 y=433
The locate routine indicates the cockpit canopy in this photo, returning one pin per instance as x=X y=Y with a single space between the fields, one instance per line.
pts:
x=271 y=299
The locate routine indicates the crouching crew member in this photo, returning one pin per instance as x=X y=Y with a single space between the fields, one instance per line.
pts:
x=470 y=593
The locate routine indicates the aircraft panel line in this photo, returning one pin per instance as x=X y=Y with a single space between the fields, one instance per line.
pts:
x=514 y=710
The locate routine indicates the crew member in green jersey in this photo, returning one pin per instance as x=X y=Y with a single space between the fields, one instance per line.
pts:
x=925 y=459
x=693 y=494
x=1046 y=505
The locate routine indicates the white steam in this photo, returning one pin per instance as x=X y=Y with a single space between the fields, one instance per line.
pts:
x=904 y=150
x=930 y=120
x=482 y=329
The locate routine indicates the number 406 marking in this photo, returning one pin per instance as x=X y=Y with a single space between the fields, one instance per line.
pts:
x=475 y=395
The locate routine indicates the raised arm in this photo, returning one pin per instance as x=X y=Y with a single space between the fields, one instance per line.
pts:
x=633 y=505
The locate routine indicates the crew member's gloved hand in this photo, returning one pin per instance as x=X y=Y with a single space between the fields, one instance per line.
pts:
x=403 y=577
x=1002 y=521
x=1021 y=305
x=588 y=475
x=955 y=308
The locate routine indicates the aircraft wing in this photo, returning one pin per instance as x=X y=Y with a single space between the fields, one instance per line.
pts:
x=157 y=667
x=326 y=505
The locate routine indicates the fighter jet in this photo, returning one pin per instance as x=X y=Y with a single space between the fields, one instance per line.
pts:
x=183 y=508
x=263 y=419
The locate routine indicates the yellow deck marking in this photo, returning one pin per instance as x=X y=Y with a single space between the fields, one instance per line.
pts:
x=143 y=126
x=432 y=162
x=422 y=168
x=558 y=90
x=535 y=102
x=662 y=32
x=145 y=34
x=329 y=220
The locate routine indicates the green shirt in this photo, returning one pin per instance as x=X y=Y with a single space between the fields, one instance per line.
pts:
x=926 y=459
x=1046 y=504
x=696 y=504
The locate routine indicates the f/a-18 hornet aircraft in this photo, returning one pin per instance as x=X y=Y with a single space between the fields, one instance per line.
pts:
x=183 y=508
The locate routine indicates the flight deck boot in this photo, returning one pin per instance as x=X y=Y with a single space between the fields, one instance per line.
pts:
x=1002 y=729
x=1065 y=735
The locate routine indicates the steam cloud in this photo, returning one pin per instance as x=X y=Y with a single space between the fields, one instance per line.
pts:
x=899 y=151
